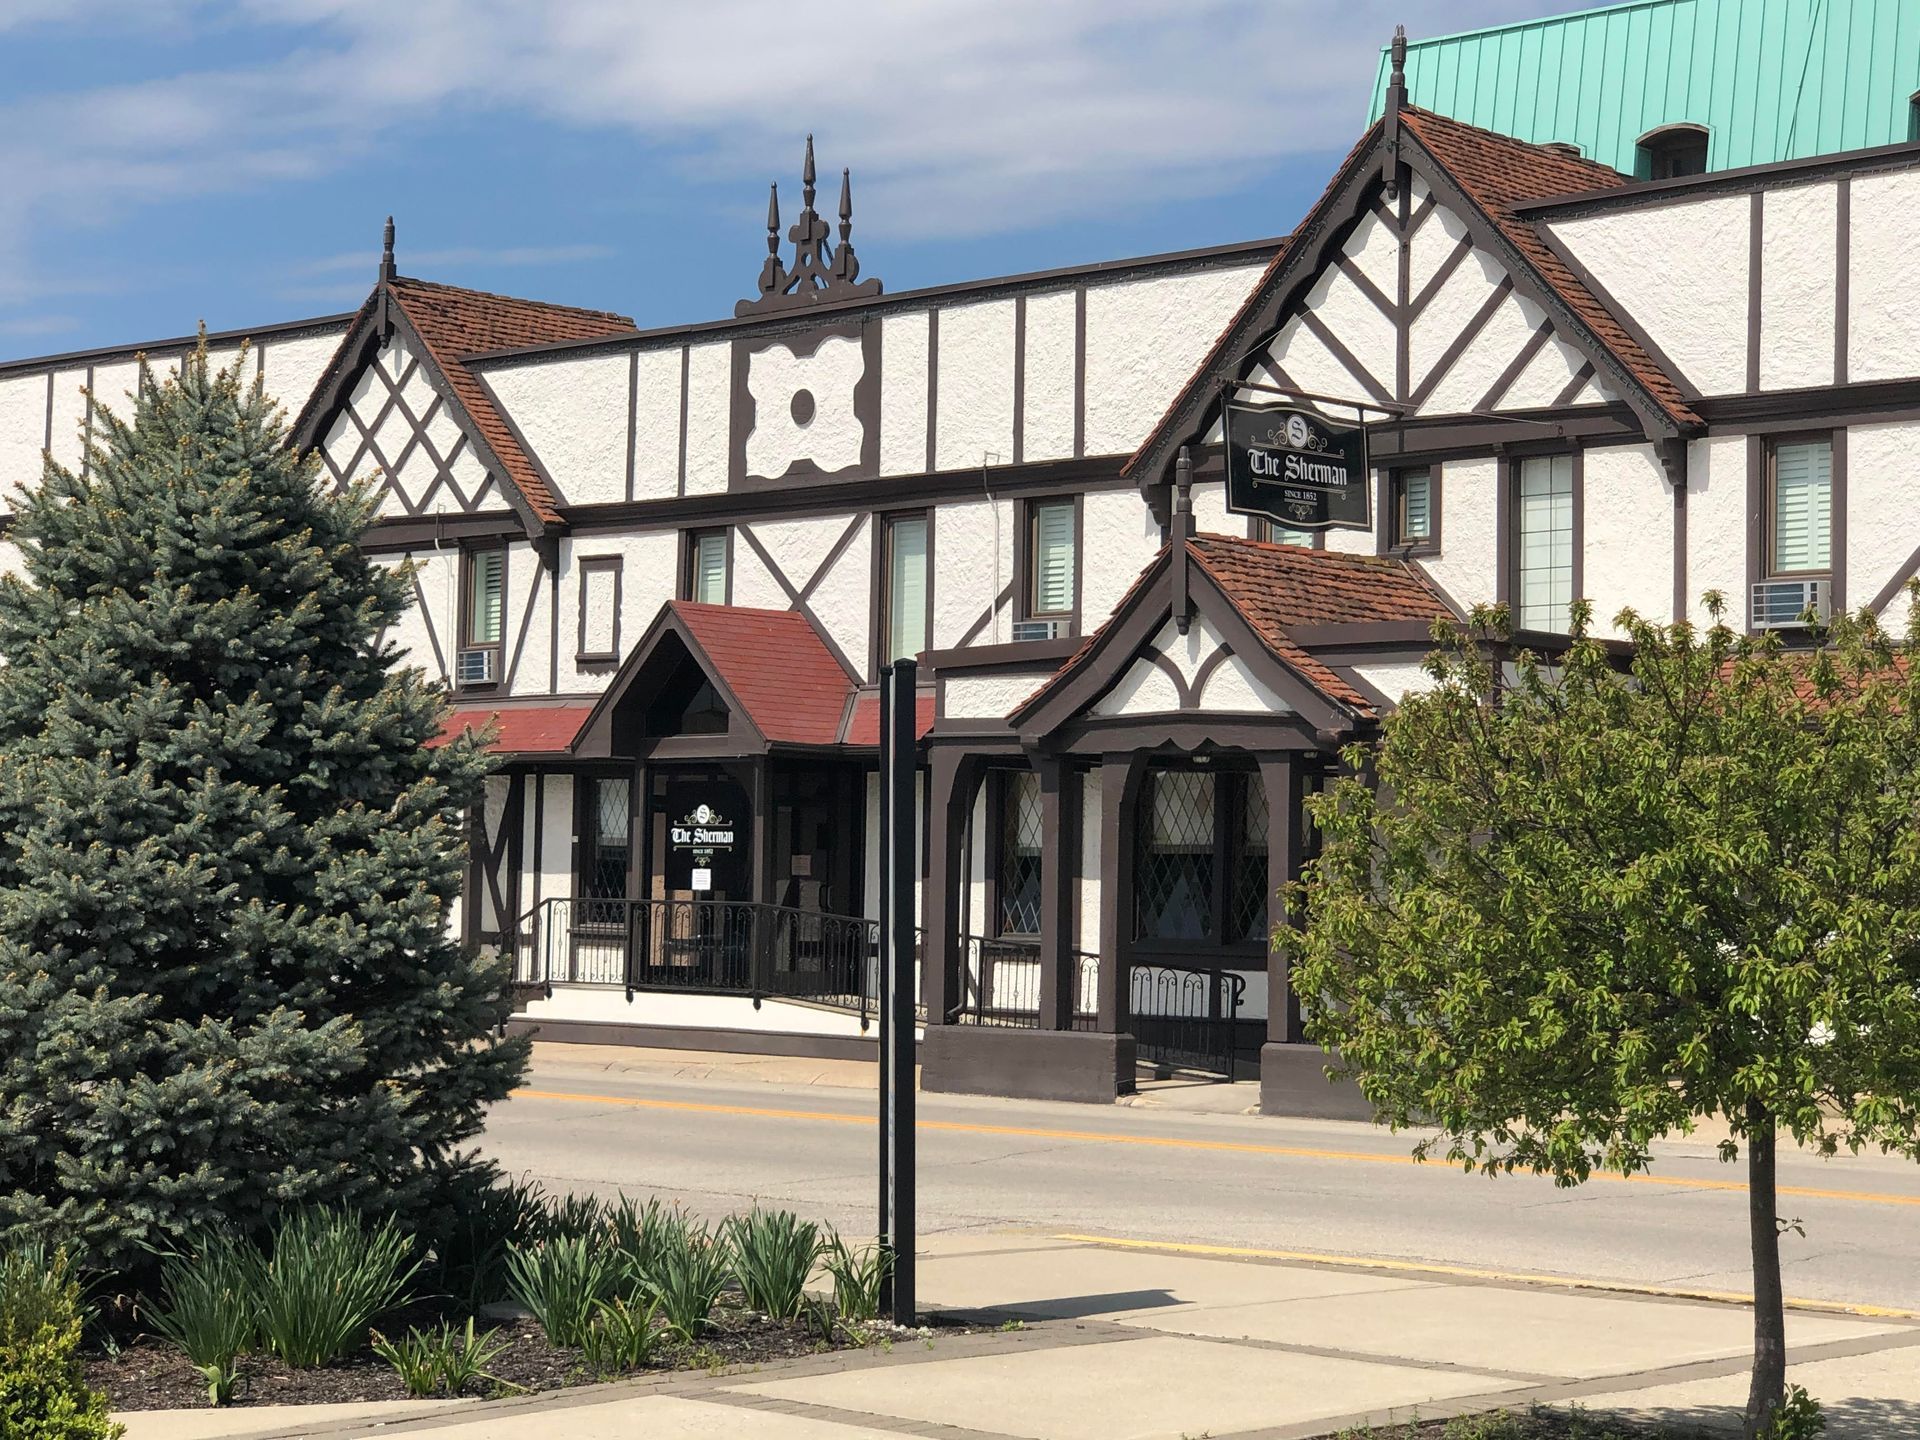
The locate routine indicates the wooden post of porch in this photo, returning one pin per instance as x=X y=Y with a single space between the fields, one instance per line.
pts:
x=1059 y=863
x=949 y=797
x=1280 y=776
x=1119 y=796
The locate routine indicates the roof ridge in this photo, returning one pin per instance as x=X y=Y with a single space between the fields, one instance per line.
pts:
x=497 y=296
x=1546 y=150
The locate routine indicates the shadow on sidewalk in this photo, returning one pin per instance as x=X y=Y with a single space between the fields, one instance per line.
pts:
x=1850 y=1418
x=1088 y=1307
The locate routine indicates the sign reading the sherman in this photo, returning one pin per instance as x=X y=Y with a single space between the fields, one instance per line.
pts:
x=1296 y=468
x=707 y=835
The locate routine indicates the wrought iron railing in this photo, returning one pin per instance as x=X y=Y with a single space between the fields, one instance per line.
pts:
x=1186 y=1017
x=701 y=946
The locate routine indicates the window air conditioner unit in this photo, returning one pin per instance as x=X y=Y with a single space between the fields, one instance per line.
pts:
x=1039 y=629
x=1780 y=604
x=477 y=667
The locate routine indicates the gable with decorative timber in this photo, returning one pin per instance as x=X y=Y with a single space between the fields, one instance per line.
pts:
x=397 y=429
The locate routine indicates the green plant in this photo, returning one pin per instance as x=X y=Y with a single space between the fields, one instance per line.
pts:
x=622 y=1337
x=209 y=1310
x=1798 y=1417
x=858 y=1277
x=479 y=1217
x=1574 y=905
x=820 y=1316
x=560 y=1281
x=442 y=1361
x=643 y=1232
x=574 y=1217
x=43 y=1394
x=687 y=1277
x=331 y=1274
x=285 y=843
x=773 y=1253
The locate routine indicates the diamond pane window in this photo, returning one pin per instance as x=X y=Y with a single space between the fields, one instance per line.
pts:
x=1247 y=917
x=1021 y=837
x=1175 y=862
x=609 y=843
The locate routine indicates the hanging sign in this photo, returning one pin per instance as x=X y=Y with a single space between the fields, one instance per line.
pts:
x=708 y=828
x=1296 y=468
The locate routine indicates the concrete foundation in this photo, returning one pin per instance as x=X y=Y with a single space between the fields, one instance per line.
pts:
x=1026 y=1064
x=1293 y=1081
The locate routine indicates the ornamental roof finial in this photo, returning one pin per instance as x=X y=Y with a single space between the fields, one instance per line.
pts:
x=822 y=271
x=387 y=268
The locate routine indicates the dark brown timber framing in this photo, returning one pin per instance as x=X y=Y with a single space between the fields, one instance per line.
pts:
x=1281 y=294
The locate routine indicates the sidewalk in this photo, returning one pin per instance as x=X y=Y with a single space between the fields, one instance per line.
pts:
x=1142 y=1344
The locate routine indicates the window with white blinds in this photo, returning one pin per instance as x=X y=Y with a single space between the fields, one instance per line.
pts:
x=1413 y=514
x=486 y=597
x=1543 y=543
x=1802 y=506
x=1051 y=555
x=707 y=567
x=1286 y=535
x=906 y=587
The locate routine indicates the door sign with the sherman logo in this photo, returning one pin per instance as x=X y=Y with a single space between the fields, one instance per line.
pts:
x=1297 y=468
x=703 y=838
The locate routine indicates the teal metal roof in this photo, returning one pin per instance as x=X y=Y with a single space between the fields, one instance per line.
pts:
x=1769 y=79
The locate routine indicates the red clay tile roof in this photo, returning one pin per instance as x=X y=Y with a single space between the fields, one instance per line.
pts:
x=777 y=666
x=523 y=729
x=1499 y=171
x=456 y=323
x=863 y=725
x=1276 y=586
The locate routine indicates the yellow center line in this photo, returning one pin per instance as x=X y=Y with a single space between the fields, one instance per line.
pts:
x=1463 y=1272
x=1167 y=1142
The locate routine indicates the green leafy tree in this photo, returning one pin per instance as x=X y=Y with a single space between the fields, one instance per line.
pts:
x=226 y=854
x=1591 y=904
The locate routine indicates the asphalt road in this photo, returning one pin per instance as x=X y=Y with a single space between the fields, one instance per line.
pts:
x=1227 y=1180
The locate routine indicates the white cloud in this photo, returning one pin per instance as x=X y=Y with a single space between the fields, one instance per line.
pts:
x=958 y=117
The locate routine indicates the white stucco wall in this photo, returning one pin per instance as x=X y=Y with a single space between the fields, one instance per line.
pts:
x=23 y=419
x=1797 y=287
x=1049 y=363
x=990 y=697
x=656 y=423
x=1882 y=532
x=973 y=562
x=1145 y=338
x=709 y=416
x=903 y=393
x=1627 y=515
x=1883 y=293
x=1397 y=680
x=572 y=412
x=1693 y=301
x=1466 y=567
x=1717 y=526
x=1122 y=537
x=531 y=662
x=974 y=422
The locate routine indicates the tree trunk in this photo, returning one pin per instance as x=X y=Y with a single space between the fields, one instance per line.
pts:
x=1769 y=1313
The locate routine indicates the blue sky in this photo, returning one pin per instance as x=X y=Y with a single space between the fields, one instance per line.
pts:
x=173 y=161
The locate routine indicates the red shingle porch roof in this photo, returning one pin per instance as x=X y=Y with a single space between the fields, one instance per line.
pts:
x=776 y=665
x=523 y=729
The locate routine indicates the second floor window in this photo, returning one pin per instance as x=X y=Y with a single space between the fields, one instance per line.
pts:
x=1800 y=507
x=1543 y=542
x=1410 y=518
x=904 y=593
x=1276 y=533
x=1672 y=152
x=707 y=567
x=1052 y=546
x=483 y=616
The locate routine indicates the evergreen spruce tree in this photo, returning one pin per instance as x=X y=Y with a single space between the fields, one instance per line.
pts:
x=227 y=857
